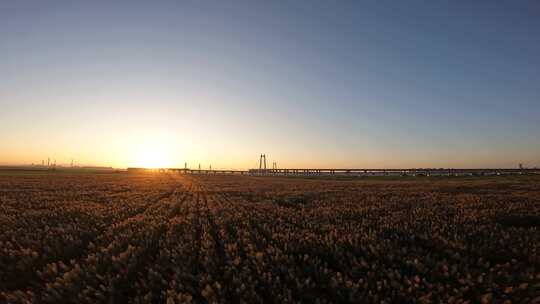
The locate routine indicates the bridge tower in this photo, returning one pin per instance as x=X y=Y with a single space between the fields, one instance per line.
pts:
x=262 y=163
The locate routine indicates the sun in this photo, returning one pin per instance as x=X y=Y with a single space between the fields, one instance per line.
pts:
x=151 y=155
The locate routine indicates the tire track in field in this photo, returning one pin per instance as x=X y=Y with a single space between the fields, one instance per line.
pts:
x=191 y=270
x=198 y=230
x=142 y=269
x=190 y=208
x=108 y=232
x=31 y=278
x=327 y=293
x=232 y=231
x=216 y=261
x=221 y=256
x=34 y=283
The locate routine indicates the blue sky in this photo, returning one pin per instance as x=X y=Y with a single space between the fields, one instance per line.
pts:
x=309 y=83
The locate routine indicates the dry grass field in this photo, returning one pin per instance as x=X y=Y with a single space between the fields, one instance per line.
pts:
x=165 y=238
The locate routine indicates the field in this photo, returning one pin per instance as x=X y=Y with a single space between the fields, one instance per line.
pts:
x=171 y=238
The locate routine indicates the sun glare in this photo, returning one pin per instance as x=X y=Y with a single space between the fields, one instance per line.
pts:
x=151 y=155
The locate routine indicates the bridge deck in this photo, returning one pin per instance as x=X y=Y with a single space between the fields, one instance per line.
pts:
x=364 y=172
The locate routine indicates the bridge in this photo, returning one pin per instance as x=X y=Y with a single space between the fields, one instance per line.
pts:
x=350 y=172
x=207 y=171
x=187 y=171
x=392 y=172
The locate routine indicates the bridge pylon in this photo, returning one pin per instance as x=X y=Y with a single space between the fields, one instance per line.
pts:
x=262 y=163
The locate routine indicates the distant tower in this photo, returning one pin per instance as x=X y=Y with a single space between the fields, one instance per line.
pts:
x=42 y=162
x=72 y=162
x=48 y=161
x=199 y=167
x=520 y=166
x=210 y=167
x=185 y=165
x=262 y=163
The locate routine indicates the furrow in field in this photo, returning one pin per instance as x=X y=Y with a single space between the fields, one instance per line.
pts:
x=75 y=246
x=113 y=259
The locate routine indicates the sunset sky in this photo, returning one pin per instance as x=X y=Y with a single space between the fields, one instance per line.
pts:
x=309 y=83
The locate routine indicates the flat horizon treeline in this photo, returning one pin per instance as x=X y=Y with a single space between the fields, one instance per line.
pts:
x=164 y=238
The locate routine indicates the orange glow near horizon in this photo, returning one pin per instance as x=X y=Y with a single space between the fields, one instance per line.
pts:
x=150 y=154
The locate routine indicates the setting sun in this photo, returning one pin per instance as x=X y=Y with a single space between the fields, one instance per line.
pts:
x=151 y=155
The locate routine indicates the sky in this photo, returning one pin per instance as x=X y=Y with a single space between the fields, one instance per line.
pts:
x=313 y=84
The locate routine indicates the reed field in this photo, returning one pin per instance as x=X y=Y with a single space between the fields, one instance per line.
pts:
x=179 y=238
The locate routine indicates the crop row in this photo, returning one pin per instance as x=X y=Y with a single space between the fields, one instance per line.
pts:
x=160 y=238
